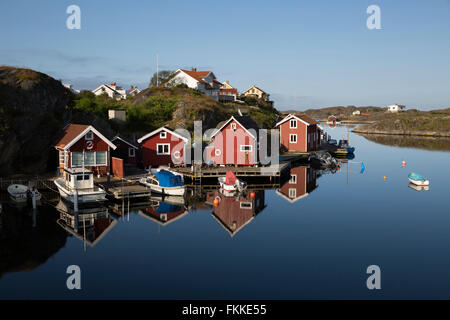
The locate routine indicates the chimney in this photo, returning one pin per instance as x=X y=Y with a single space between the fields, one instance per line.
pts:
x=113 y=84
x=228 y=82
x=194 y=69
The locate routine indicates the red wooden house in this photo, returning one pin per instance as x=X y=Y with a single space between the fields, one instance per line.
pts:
x=82 y=145
x=232 y=213
x=126 y=150
x=302 y=181
x=235 y=142
x=299 y=133
x=163 y=147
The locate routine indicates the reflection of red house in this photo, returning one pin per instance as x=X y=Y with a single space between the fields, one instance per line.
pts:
x=302 y=181
x=126 y=150
x=164 y=213
x=234 y=142
x=82 y=145
x=233 y=214
x=299 y=133
x=163 y=147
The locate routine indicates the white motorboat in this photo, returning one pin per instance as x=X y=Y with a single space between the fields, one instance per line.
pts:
x=20 y=193
x=79 y=182
x=164 y=182
x=231 y=183
x=418 y=180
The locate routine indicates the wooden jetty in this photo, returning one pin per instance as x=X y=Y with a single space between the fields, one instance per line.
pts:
x=125 y=189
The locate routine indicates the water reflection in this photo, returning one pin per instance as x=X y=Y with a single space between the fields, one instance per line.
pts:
x=301 y=183
x=233 y=213
x=165 y=212
x=427 y=143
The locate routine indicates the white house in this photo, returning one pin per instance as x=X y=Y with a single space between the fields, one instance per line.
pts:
x=112 y=90
x=204 y=81
x=396 y=108
x=133 y=91
x=70 y=87
x=356 y=113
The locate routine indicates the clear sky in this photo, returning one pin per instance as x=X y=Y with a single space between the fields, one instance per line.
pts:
x=304 y=53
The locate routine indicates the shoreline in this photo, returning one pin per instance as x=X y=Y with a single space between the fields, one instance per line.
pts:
x=404 y=133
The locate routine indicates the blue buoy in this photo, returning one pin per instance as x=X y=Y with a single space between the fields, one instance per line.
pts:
x=362 y=167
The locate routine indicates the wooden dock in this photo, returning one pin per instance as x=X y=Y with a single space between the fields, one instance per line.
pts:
x=125 y=189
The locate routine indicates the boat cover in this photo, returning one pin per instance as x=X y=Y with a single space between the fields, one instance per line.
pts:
x=167 y=179
x=165 y=207
x=230 y=178
x=415 y=176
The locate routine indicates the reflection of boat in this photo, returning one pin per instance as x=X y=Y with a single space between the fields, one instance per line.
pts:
x=163 y=213
x=417 y=179
x=231 y=183
x=21 y=193
x=418 y=188
x=80 y=182
x=323 y=160
x=164 y=182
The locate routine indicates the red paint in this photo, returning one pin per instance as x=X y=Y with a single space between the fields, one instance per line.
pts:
x=122 y=152
x=302 y=132
x=228 y=143
x=117 y=167
x=305 y=182
x=149 y=150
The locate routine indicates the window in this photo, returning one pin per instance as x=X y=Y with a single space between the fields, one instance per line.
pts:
x=293 y=179
x=293 y=138
x=89 y=158
x=101 y=158
x=163 y=149
x=246 y=148
x=233 y=126
x=292 y=193
x=163 y=134
x=61 y=157
x=79 y=177
x=163 y=217
x=293 y=124
x=245 y=205
x=77 y=159
x=131 y=152
x=89 y=136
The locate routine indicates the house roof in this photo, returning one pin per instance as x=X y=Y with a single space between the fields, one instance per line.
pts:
x=180 y=135
x=231 y=90
x=253 y=86
x=245 y=121
x=125 y=140
x=197 y=75
x=73 y=132
x=107 y=86
x=302 y=117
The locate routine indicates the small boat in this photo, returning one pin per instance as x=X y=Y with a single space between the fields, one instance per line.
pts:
x=80 y=182
x=417 y=179
x=164 y=182
x=20 y=193
x=231 y=183
x=418 y=188
x=324 y=160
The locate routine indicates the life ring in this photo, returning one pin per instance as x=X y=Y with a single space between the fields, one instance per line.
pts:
x=89 y=145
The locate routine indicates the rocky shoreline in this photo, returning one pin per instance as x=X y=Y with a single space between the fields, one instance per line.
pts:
x=403 y=133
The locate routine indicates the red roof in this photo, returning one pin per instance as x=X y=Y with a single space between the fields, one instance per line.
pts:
x=197 y=75
x=70 y=132
x=233 y=90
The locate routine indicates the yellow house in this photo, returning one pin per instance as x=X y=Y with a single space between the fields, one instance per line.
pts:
x=226 y=85
x=256 y=92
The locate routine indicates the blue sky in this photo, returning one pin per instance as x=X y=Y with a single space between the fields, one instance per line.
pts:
x=304 y=53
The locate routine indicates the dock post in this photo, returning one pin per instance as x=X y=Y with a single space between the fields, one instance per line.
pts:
x=75 y=201
x=108 y=180
x=33 y=199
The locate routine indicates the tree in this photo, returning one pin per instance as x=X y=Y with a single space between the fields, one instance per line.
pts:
x=162 y=75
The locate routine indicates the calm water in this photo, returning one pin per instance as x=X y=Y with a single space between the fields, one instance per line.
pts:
x=268 y=246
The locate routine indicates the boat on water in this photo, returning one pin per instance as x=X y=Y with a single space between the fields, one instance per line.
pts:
x=324 y=160
x=418 y=188
x=79 y=182
x=21 y=194
x=418 y=180
x=230 y=183
x=165 y=182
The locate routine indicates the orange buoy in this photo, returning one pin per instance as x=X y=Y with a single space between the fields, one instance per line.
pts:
x=216 y=202
x=403 y=163
x=252 y=194
x=384 y=178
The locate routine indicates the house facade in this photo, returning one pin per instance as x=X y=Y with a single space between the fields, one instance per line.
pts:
x=235 y=142
x=204 y=81
x=396 y=108
x=228 y=93
x=111 y=90
x=125 y=150
x=301 y=183
x=299 y=133
x=163 y=147
x=83 y=146
x=256 y=92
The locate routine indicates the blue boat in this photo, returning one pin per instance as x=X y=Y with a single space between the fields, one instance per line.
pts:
x=351 y=149
x=418 y=179
x=165 y=182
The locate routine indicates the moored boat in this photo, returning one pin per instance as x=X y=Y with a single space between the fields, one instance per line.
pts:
x=231 y=183
x=164 y=182
x=21 y=194
x=79 y=183
x=418 y=180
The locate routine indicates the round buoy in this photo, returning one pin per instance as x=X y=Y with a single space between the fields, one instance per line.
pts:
x=252 y=194
x=403 y=163
x=216 y=202
x=384 y=178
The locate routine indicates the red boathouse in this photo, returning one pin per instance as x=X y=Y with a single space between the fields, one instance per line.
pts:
x=299 y=133
x=235 y=142
x=163 y=147
x=79 y=140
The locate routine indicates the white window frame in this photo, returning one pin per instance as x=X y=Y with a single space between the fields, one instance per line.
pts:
x=131 y=152
x=163 y=144
x=293 y=121
x=163 y=135
x=293 y=135
x=292 y=193
x=96 y=164
x=246 y=145
x=293 y=179
x=89 y=136
x=233 y=126
x=247 y=205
